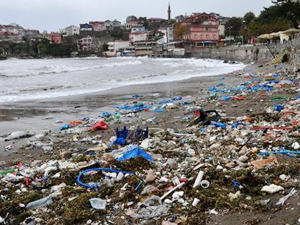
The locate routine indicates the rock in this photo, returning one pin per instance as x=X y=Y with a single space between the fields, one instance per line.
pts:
x=271 y=189
x=230 y=165
x=65 y=154
x=243 y=151
x=168 y=223
x=150 y=177
x=244 y=133
x=149 y=189
x=215 y=146
x=234 y=196
x=296 y=145
x=219 y=168
x=284 y=177
x=243 y=165
x=156 y=156
x=172 y=163
x=243 y=158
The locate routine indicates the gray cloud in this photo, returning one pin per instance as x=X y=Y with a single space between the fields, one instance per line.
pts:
x=51 y=15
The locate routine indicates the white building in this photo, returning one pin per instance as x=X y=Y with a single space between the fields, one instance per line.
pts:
x=70 y=31
x=168 y=34
x=116 y=46
x=116 y=23
x=138 y=36
x=137 y=28
x=221 y=29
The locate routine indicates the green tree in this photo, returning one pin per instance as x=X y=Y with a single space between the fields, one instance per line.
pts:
x=233 y=27
x=248 y=18
x=144 y=21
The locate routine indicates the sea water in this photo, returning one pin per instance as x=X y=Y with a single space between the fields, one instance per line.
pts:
x=35 y=79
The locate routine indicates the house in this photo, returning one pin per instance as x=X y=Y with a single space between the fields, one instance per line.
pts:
x=116 y=23
x=138 y=36
x=202 y=29
x=137 y=28
x=167 y=34
x=70 y=31
x=54 y=38
x=130 y=22
x=98 y=26
x=144 y=48
x=85 y=44
x=118 y=45
x=86 y=27
x=108 y=24
x=156 y=20
x=179 y=18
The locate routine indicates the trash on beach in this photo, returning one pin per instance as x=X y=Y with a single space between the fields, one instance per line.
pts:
x=282 y=200
x=271 y=189
x=40 y=203
x=102 y=125
x=18 y=135
x=261 y=163
x=134 y=151
x=98 y=203
x=93 y=171
x=150 y=208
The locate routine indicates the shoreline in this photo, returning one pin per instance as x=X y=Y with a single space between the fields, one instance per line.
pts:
x=42 y=115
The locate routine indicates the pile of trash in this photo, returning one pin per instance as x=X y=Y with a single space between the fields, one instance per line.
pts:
x=145 y=174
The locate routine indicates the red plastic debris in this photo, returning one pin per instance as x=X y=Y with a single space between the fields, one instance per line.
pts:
x=238 y=98
x=102 y=125
x=75 y=123
x=271 y=128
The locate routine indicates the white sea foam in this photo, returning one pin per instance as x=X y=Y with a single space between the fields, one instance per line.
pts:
x=29 y=80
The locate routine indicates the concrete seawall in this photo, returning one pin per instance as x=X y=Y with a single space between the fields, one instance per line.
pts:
x=248 y=54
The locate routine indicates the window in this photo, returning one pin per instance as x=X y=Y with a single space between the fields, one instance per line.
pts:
x=207 y=36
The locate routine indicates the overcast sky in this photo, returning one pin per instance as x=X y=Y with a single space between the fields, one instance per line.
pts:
x=52 y=15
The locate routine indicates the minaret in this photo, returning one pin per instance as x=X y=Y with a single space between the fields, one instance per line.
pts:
x=169 y=13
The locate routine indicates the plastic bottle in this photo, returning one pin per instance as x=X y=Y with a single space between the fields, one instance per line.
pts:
x=40 y=203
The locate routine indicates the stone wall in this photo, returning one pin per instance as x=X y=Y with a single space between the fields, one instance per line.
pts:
x=259 y=53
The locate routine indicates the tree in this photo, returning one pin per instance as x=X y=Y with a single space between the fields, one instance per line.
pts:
x=105 y=47
x=233 y=27
x=248 y=18
x=282 y=15
x=144 y=21
x=179 y=31
x=288 y=9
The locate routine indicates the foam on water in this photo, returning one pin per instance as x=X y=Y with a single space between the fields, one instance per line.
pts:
x=29 y=80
